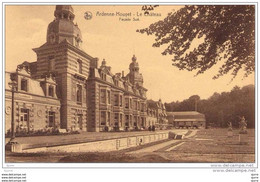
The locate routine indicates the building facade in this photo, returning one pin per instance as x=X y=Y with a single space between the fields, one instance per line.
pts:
x=65 y=87
x=36 y=104
x=157 y=114
x=115 y=101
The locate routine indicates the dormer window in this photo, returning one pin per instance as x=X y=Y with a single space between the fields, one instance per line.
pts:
x=103 y=76
x=51 y=91
x=24 y=85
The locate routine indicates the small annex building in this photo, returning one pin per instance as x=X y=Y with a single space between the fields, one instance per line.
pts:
x=186 y=119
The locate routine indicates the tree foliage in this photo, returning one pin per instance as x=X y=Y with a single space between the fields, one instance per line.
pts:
x=225 y=33
x=222 y=108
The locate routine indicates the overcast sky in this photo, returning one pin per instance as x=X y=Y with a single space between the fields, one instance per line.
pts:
x=116 y=41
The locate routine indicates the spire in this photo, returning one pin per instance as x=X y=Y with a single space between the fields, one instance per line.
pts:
x=134 y=58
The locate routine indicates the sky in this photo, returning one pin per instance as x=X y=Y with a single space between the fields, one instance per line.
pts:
x=110 y=38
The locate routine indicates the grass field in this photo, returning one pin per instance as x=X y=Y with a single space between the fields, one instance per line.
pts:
x=209 y=145
x=213 y=145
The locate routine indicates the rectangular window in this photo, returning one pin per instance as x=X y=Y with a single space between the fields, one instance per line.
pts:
x=121 y=100
x=24 y=115
x=51 y=119
x=51 y=91
x=103 y=96
x=108 y=97
x=79 y=66
x=126 y=120
x=135 y=105
x=24 y=85
x=130 y=119
x=116 y=118
x=126 y=102
x=142 y=123
x=121 y=120
x=131 y=104
x=108 y=117
x=24 y=118
x=116 y=100
x=135 y=120
x=79 y=94
x=103 y=118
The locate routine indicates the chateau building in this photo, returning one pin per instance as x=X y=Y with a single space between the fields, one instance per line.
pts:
x=65 y=87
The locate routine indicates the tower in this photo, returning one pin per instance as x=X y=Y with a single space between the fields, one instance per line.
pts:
x=134 y=76
x=63 y=57
x=63 y=27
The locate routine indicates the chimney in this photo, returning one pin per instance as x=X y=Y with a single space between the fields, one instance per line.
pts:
x=123 y=74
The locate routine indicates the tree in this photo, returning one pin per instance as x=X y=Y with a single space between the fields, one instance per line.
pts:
x=226 y=33
x=222 y=108
x=194 y=99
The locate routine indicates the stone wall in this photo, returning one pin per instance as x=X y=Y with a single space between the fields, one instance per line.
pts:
x=104 y=145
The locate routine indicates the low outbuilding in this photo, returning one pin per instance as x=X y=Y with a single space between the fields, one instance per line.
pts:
x=186 y=119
